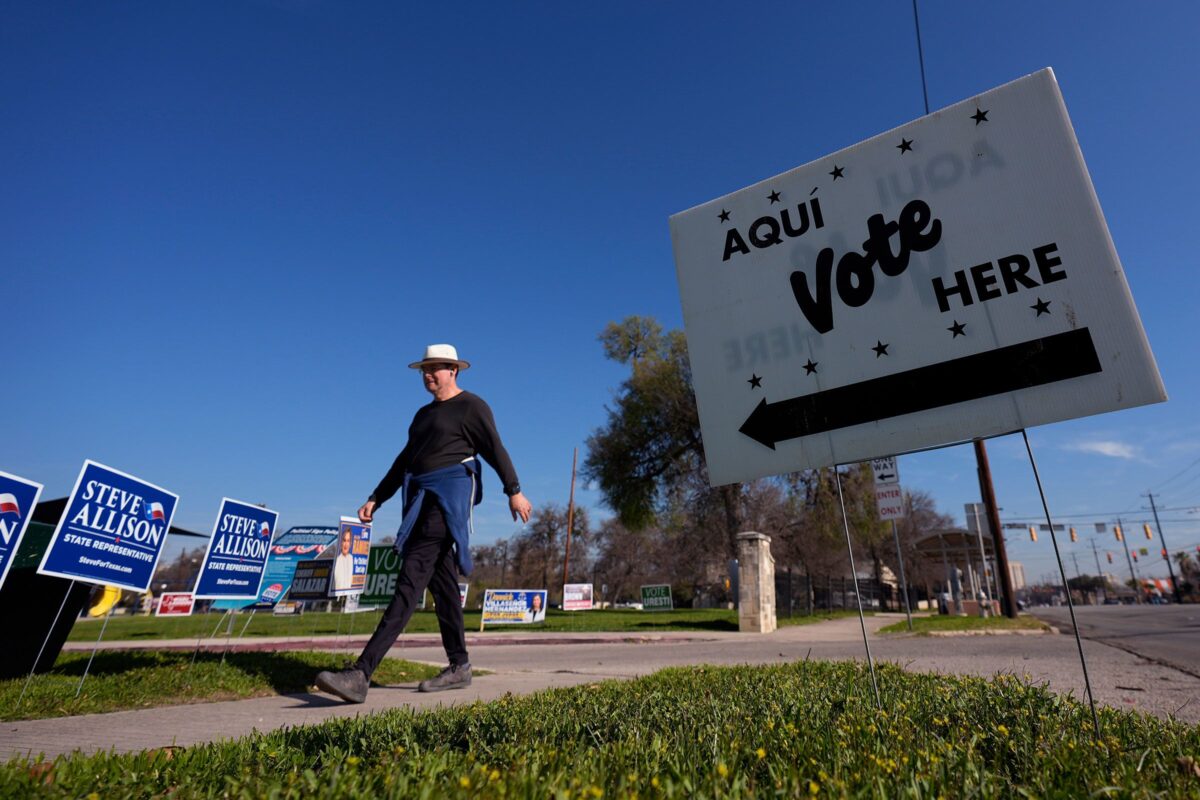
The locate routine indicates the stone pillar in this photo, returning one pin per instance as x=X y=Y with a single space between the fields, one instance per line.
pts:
x=756 y=587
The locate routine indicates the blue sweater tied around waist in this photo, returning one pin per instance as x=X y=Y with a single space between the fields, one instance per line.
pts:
x=455 y=489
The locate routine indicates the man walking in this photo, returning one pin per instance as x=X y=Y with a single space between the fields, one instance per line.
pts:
x=439 y=472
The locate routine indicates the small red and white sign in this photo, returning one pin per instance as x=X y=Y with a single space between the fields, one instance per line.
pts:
x=577 y=597
x=889 y=499
x=176 y=604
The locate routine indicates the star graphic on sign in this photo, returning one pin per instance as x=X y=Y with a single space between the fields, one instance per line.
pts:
x=880 y=349
x=838 y=172
x=958 y=329
x=773 y=197
x=979 y=116
x=1041 y=306
x=755 y=381
x=810 y=367
x=724 y=215
x=905 y=145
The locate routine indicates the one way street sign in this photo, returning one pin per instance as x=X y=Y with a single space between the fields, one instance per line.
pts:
x=885 y=471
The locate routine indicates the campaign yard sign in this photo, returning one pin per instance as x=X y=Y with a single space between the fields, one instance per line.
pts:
x=112 y=530
x=577 y=597
x=175 y=604
x=311 y=581
x=290 y=547
x=18 y=498
x=513 y=606
x=948 y=280
x=657 y=597
x=237 y=552
x=383 y=570
x=350 y=558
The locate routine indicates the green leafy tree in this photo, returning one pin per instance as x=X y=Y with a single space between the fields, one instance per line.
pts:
x=648 y=456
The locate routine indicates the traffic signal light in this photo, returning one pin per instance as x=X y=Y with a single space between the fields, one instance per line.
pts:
x=1146 y=528
x=1032 y=534
x=1117 y=533
x=1134 y=554
x=1109 y=555
x=1074 y=535
x=1164 y=552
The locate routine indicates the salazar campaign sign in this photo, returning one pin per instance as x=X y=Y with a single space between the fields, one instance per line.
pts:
x=237 y=552
x=18 y=497
x=112 y=531
x=949 y=280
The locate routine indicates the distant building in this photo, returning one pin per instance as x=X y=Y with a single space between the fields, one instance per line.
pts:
x=1016 y=571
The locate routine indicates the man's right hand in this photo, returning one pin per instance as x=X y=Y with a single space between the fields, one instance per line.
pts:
x=367 y=511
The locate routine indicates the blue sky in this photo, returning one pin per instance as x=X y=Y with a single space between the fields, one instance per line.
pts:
x=228 y=227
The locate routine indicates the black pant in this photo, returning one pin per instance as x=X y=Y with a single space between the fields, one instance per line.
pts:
x=428 y=561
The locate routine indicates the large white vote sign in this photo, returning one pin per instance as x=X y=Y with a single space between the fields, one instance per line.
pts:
x=951 y=279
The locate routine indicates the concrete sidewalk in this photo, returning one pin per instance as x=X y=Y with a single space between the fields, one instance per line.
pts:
x=523 y=666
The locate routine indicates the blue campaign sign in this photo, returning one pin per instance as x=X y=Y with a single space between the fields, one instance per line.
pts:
x=17 y=500
x=513 y=606
x=350 y=561
x=112 y=531
x=289 y=548
x=237 y=552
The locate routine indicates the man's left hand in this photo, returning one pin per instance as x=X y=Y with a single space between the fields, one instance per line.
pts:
x=520 y=507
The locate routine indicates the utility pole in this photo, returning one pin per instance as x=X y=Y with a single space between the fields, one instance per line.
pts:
x=1137 y=590
x=1166 y=552
x=1079 y=578
x=988 y=494
x=570 y=520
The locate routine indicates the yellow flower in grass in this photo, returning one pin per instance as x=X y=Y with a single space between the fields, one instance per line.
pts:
x=654 y=782
x=596 y=791
x=813 y=787
x=761 y=753
x=464 y=782
x=352 y=760
x=723 y=770
x=1003 y=731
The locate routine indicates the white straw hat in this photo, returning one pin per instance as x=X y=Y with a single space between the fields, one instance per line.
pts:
x=440 y=354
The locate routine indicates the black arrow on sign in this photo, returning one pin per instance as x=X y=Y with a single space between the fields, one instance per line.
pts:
x=1007 y=369
x=884 y=477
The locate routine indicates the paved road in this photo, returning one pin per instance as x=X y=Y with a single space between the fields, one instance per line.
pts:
x=522 y=666
x=1168 y=634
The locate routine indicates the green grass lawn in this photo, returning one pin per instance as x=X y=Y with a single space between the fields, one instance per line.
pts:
x=799 y=730
x=123 y=680
x=325 y=624
x=950 y=623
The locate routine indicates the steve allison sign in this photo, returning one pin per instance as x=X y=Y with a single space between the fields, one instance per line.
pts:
x=951 y=279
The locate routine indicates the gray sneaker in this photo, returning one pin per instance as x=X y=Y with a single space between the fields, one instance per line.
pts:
x=455 y=676
x=349 y=684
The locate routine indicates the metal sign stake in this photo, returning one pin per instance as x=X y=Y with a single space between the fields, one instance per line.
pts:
x=1062 y=571
x=45 y=641
x=858 y=597
x=95 y=647
x=210 y=636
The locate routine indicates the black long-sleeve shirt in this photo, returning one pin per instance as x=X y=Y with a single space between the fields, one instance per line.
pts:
x=444 y=433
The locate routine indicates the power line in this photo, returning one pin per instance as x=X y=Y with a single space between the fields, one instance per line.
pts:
x=1177 y=474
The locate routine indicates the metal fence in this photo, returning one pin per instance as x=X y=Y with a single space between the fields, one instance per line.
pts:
x=802 y=595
